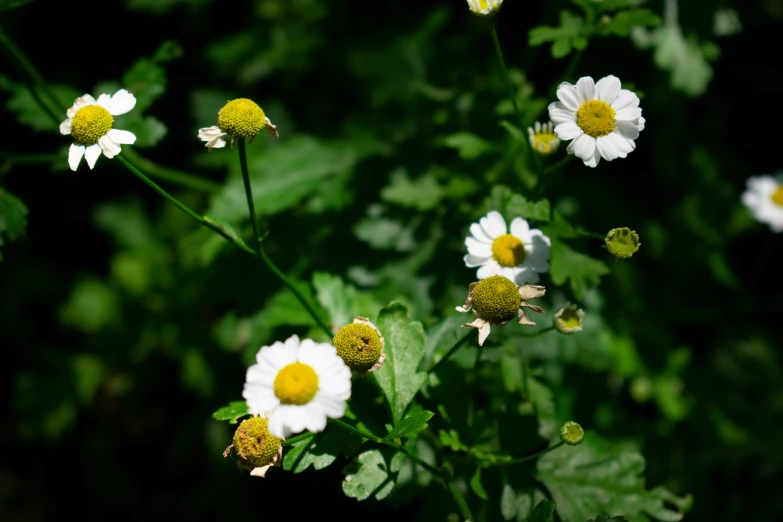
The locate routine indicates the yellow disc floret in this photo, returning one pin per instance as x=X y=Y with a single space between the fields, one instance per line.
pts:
x=777 y=196
x=90 y=124
x=254 y=444
x=596 y=118
x=358 y=345
x=296 y=384
x=496 y=299
x=508 y=250
x=241 y=118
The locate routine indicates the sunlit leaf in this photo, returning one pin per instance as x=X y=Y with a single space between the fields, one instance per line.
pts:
x=373 y=473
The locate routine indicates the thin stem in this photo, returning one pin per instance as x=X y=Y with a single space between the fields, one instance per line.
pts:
x=173 y=175
x=539 y=332
x=530 y=457
x=450 y=352
x=249 y=192
x=354 y=430
x=560 y=164
x=294 y=440
x=448 y=478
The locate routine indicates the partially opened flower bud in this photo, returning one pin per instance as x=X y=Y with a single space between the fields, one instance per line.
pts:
x=360 y=344
x=572 y=433
x=484 y=7
x=622 y=243
x=569 y=319
x=256 y=448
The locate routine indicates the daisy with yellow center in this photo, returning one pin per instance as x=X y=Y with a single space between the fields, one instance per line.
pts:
x=90 y=123
x=484 y=7
x=764 y=199
x=602 y=119
x=497 y=300
x=299 y=384
x=543 y=139
x=519 y=255
x=240 y=118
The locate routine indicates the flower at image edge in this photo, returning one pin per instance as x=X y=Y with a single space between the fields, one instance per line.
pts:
x=764 y=199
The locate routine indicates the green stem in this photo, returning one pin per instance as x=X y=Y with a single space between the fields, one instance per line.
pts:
x=530 y=457
x=560 y=164
x=294 y=440
x=354 y=430
x=173 y=175
x=450 y=352
x=539 y=332
x=249 y=193
x=448 y=478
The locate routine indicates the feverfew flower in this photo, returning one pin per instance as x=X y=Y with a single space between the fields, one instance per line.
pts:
x=497 y=300
x=542 y=139
x=569 y=319
x=360 y=344
x=519 y=255
x=240 y=118
x=299 y=384
x=764 y=199
x=484 y=7
x=256 y=448
x=602 y=119
x=90 y=123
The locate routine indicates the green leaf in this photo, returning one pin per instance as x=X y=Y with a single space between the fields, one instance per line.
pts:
x=519 y=206
x=92 y=306
x=398 y=379
x=423 y=193
x=148 y=129
x=12 y=4
x=543 y=512
x=13 y=217
x=232 y=412
x=413 y=423
x=320 y=451
x=146 y=80
x=373 y=473
x=468 y=145
x=599 y=476
x=581 y=270
x=622 y=23
x=384 y=233
x=563 y=37
x=605 y=518
x=477 y=487
x=337 y=298
x=28 y=111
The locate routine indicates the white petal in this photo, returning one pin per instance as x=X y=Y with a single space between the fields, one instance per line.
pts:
x=75 y=154
x=607 y=148
x=314 y=416
x=477 y=248
x=628 y=113
x=640 y=123
x=491 y=268
x=121 y=102
x=568 y=130
x=583 y=147
x=110 y=149
x=332 y=407
x=484 y=332
x=65 y=127
x=479 y=233
x=526 y=277
x=509 y=272
x=567 y=94
x=607 y=89
x=91 y=154
x=472 y=261
x=625 y=99
x=624 y=145
x=122 y=137
x=586 y=88
x=520 y=228
x=104 y=100
x=277 y=425
x=593 y=162
x=493 y=224
x=627 y=129
x=81 y=101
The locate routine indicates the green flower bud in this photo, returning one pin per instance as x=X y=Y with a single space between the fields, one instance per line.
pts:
x=569 y=319
x=572 y=433
x=622 y=243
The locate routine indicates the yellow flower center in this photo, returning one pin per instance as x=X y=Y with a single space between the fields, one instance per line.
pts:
x=241 y=118
x=596 y=118
x=358 y=345
x=90 y=124
x=296 y=383
x=496 y=299
x=570 y=318
x=777 y=196
x=545 y=142
x=254 y=444
x=508 y=250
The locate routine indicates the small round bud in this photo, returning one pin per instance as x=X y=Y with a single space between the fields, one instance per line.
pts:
x=253 y=443
x=360 y=345
x=569 y=319
x=572 y=433
x=622 y=243
x=496 y=299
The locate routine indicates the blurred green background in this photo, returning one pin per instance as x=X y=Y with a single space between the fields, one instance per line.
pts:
x=124 y=325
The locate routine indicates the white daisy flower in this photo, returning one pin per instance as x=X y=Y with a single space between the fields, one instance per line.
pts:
x=484 y=7
x=240 y=118
x=520 y=255
x=602 y=119
x=300 y=384
x=764 y=199
x=90 y=123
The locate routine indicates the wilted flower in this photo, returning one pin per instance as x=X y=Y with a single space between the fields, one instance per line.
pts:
x=542 y=139
x=300 y=384
x=622 y=243
x=520 y=255
x=764 y=199
x=360 y=344
x=497 y=300
x=256 y=448
x=602 y=119
x=240 y=118
x=90 y=123
x=568 y=319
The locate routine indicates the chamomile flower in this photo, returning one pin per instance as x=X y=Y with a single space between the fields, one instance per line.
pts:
x=90 y=123
x=519 y=255
x=497 y=300
x=602 y=119
x=764 y=199
x=360 y=344
x=240 y=118
x=256 y=449
x=484 y=7
x=543 y=140
x=299 y=384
